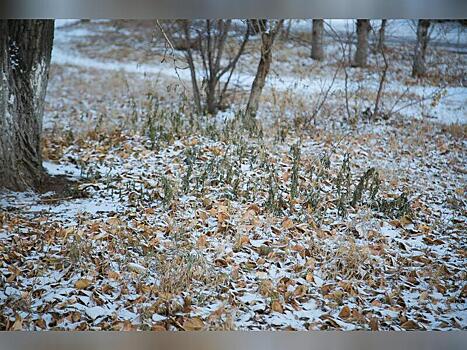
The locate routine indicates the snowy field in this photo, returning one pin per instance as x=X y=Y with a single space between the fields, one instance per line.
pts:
x=299 y=221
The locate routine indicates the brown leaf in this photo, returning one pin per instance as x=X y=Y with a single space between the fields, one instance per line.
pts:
x=244 y=240
x=193 y=324
x=41 y=323
x=410 y=325
x=298 y=248
x=277 y=306
x=113 y=275
x=83 y=283
x=221 y=262
x=265 y=288
x=287 y=224
x=158 y=328
x=300 y=291
x=345 y=312
x=463 y=292
x=222 y=216
x=374 y=324
x=18 y=325
x=202 y=242
x=255 y=208
x=149 y=211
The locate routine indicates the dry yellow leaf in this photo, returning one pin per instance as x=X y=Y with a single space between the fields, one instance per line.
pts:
x=265 y=288
x=277 y=306
x=298 y=248
x=410 y=325
x=113 y=275
x=83 y=283
x=244 y=240
x=193 y=324
x=202 y=242
x=374 y=324
x=345 y=312
x=149 y=211
x=18 y=325
x=300 y=291
x=405 y=221
x=287 y=224
x=222 y=216
x=255 y=207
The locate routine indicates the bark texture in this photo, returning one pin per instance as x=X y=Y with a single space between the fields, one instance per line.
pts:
x=361 y=55
x=267 y=41
x=419 y=65
x=25 y=52
x=317 y=52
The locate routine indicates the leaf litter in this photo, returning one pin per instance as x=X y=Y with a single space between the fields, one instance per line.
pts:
x=223 y=224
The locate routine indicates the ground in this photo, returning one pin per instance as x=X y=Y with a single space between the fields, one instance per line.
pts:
x=308 y=218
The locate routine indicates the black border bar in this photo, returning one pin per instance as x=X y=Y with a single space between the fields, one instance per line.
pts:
x=324 y=340
x=170 y=9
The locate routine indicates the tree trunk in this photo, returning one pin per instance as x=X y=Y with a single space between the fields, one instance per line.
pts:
x=25 y=52
x=419 y=66
x=317 y=52
x=381 y=35
x=361 y=55
x=286 y=32
x=267 y=40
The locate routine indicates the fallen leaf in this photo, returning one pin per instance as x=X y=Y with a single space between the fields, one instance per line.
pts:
x=244 y=240
x=18 y=325
x=300 y=291
x=193 y=324
x=158 y=328
x=201 y=242
x=345 y=312
x=255 y=208
x=374 y=324
x=287 y=224
x=410 y=325
x=277 y=307
x=83 y=283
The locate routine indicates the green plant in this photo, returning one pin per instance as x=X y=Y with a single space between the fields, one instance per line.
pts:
x=343 y=183
x=396 y=208
x=368 y=182
x=168 y=189
x=295 y=171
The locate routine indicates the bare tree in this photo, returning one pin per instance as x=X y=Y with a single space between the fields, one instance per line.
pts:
x=345 y=45
x=25 y=52
x=419 y=66
x=382 y=80
x=267 y=40
x=317 y=52
x=209 y=39
x=381 y=35
x=286 y=30
x=361 y=55
x=256 y=26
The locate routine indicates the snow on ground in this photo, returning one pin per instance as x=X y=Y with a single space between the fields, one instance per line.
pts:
x=450 y=109
x=210 y=224
x=59 y=23
x=445 y=33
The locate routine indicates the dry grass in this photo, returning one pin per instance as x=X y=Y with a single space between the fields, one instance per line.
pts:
x=183 y=271
x=349 y=260
x=456 y=130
